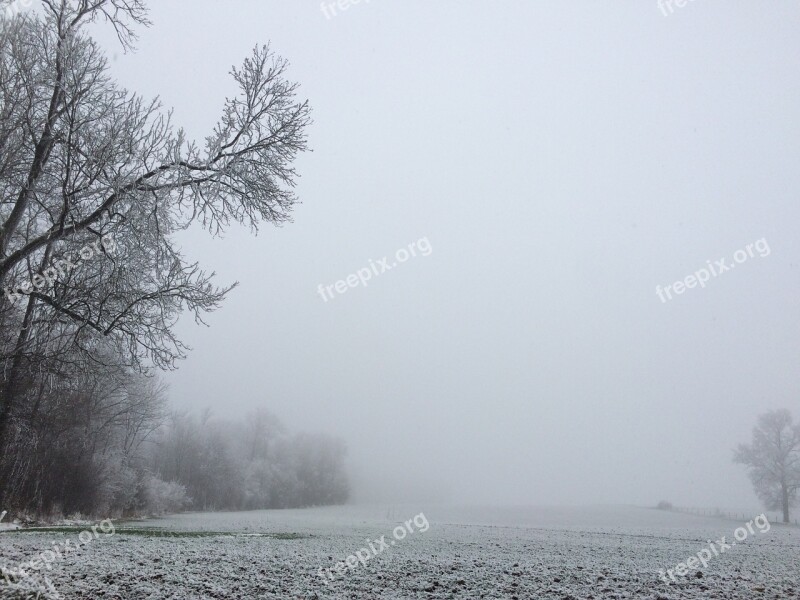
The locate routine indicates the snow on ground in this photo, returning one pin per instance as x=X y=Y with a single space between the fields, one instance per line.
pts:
x=523 y=553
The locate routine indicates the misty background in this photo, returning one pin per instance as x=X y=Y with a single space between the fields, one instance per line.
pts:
x=563 y=159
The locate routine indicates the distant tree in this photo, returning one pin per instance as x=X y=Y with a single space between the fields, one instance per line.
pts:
x=773 y=460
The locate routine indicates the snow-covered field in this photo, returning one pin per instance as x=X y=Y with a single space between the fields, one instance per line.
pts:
x=479 y=553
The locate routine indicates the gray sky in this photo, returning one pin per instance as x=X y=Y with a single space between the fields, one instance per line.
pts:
x=563 y=159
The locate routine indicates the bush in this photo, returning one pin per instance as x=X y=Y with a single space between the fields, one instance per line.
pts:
x=164 y=497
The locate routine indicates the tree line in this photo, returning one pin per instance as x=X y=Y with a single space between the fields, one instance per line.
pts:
x=110 y=447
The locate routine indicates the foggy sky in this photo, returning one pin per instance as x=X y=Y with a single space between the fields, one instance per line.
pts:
x=563 y=159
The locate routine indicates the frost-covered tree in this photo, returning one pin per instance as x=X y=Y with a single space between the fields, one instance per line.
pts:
x=94 y=184
x=773 y=460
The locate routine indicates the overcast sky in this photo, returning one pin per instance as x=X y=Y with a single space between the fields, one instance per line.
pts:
x=562 y=159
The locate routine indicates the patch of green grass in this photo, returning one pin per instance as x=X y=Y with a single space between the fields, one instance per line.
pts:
x=54 y=529
x=287 y=536
x=150 y=532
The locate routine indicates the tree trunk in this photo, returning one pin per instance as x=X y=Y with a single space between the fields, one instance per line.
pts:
x=8 y=390
x=785 y=503
x=8 y=393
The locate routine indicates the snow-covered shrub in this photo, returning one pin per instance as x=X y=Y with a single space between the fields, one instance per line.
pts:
x=164 y=496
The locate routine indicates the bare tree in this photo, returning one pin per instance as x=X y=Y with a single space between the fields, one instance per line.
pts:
x=773 y=460
x=85 y=163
